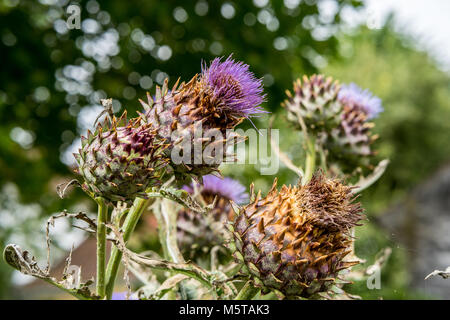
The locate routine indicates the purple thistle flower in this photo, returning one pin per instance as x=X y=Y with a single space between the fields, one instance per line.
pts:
x=227 y=188
x=363 y=99
x=234 y=86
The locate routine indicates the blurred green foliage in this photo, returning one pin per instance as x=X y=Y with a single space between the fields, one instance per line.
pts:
x=52 y=79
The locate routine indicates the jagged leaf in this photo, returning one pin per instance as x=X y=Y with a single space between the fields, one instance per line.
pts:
x=25 y=263
x=444 y=274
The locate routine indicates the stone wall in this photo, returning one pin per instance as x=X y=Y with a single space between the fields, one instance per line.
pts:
x=421 y=225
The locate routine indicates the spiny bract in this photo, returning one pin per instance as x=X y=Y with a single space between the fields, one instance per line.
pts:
x=349 y=145
x=200 y=112
x=295 y=240
x=120 y=159
x=197 y=234
x=314 y=103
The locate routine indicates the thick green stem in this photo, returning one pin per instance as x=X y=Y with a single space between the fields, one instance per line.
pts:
x=101 y=245
x=247 y=292
x=310 y=161
x=129 y=224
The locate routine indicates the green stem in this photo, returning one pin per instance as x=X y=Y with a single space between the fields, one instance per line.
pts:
x=129 y=224
x=247 y=292
x=310 y=161
x=101 y=245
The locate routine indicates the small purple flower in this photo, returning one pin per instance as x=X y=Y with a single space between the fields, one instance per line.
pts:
x=227 y=188
x=234 y=86
x=363 y=99
x=122 y=296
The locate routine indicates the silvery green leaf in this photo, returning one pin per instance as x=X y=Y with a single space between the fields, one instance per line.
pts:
x=25 y=263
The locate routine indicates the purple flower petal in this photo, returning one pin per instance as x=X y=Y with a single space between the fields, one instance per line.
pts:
x=234 y=86
x=363 y=99
x=122 y=296
x=226 y=188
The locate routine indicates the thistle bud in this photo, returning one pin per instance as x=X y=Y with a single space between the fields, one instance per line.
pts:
x=349 y=145
x=221 y=97
x=295 y=240
x=120 y=160
x=197 y=234
x=315 y=103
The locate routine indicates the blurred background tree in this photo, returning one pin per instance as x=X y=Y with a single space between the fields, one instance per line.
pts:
x=52 y=79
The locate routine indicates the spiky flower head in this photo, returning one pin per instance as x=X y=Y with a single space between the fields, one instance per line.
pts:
x=197 y=234
x=350 y=144
x=314 y=103
x=120 y=159
x=234 y=89
x=295 y=240
x=355 y=97
x=217 y=100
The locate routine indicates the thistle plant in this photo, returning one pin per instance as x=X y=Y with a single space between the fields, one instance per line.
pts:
x=217 y=100
x=349 y=145
x=314 y=105
x=120 y=160
x=336 y=126
x=295 y=242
